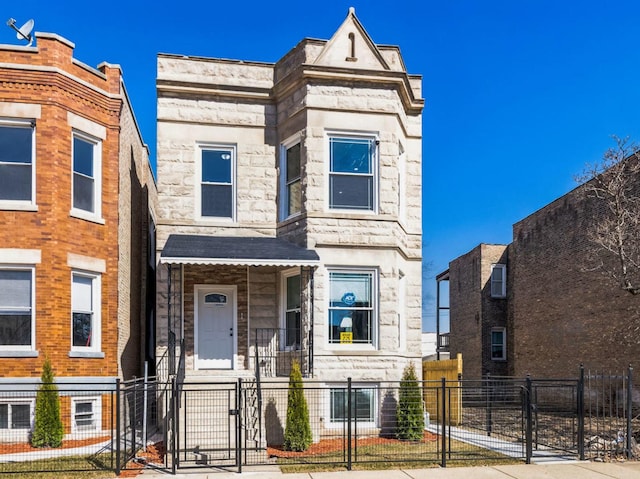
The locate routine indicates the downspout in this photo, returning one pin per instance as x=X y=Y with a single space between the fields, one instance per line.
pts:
x=248 y=320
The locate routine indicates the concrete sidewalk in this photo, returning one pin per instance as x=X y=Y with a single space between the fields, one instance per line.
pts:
x=564 y=470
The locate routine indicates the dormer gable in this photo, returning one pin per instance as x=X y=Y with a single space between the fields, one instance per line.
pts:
x=352 y=47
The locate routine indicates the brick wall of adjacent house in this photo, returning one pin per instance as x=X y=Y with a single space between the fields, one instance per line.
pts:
x=46 y=77
x=473 y=312
x=565 y=314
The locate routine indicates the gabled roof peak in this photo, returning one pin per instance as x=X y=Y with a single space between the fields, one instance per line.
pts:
x=352 y=47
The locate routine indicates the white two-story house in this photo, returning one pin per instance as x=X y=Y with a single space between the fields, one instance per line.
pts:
x=289 y=222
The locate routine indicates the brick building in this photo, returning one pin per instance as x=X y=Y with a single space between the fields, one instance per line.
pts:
x=560 y=312
x=289 y=223
x=76 y=244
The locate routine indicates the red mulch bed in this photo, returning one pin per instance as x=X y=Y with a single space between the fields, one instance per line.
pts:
x=153 y=454
x=11 y=448
x=335 y=445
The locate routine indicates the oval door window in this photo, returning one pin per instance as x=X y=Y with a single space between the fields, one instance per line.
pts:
x=215 y=298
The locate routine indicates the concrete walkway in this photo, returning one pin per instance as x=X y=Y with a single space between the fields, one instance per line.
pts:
x=564 y=470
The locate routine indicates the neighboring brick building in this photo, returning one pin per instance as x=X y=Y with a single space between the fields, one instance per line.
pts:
x=560 y=311
x=76 y=200
x=478 y=310
x=290 y=210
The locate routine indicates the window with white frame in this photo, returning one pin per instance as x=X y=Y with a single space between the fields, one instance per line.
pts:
x=16 y=415
x=85 y=314
x=17 y=153
x=16 y=309
x=217 y=185
x=291 y=287
x=352 y=172
x=352 y=315
x=87 y=179
x=291 y=180
x=86 y=413
x=364 y=403
x=498 y=281
x=498 y=344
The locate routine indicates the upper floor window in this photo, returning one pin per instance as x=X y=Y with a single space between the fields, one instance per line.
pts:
x=85 y=314
x=352 y=173
x=292 y=184
x=17 y=174
x=86 y=176
x=498 y=281
x=16 y=309
x=498 y=344
x=217 y=185
x=352 y=316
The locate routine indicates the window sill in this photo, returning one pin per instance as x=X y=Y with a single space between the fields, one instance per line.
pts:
x=84 y=215
x=18 y=206
x=352 y=349
x=6 y=353
x=86 y=354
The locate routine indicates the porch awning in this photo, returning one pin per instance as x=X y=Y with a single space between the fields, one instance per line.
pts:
x=234 y=250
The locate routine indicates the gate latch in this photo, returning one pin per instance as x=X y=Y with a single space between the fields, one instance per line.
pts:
x=233 y=412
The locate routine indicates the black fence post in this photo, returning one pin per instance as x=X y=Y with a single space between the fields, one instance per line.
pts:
x=580 y=397
x=489 y=405
x=118 y=426
x=629 y=410
x=238 y=425
x=349 y=451
x=175 y=439
x=529 y=413
x=443 y=412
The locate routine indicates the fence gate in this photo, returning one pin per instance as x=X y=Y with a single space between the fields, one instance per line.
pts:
x=206 y=421
x=555 y=421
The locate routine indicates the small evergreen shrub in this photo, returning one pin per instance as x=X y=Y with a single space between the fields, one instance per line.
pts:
x=297 y=434
x=409 y=413
x=47 y=430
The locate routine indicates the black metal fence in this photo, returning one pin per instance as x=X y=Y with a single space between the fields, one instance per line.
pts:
x=494 y=419
x=103 y=425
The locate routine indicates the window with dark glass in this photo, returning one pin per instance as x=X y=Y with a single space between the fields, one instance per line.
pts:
x=84 y=175
x=292 y=182
x=362 y=404
x=16 y=162
x=498 y=344
x=217 y=183
x=292 y=313
x=15 y=416
x=84 y=416
x=351 y=177
x=498 y=281
x=351 y=309
x=15 y=308
x=83 y=311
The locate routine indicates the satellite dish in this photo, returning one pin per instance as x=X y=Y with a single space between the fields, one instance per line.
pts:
x=24 y=32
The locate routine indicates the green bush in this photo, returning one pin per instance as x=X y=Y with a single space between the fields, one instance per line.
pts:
x=47 y=430
x=297 y=434
x=409 y=413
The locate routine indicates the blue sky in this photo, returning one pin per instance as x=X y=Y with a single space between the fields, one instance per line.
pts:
x=520 y=94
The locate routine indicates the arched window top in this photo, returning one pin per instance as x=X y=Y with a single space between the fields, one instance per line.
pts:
x=215 y=298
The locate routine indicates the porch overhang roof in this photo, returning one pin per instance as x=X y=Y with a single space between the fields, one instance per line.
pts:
x=234 y=250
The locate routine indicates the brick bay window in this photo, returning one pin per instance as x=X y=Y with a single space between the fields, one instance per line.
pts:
x=16 y=310
x=85 y=316
x=352 y=315
x=17 y=172
x=352 y=172
x=87 y=180
x=217 y=182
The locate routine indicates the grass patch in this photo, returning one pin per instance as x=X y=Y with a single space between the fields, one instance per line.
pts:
x=406 y=455
x=82 y=467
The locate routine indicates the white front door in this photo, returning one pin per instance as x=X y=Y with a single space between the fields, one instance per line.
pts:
x=215 y=327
